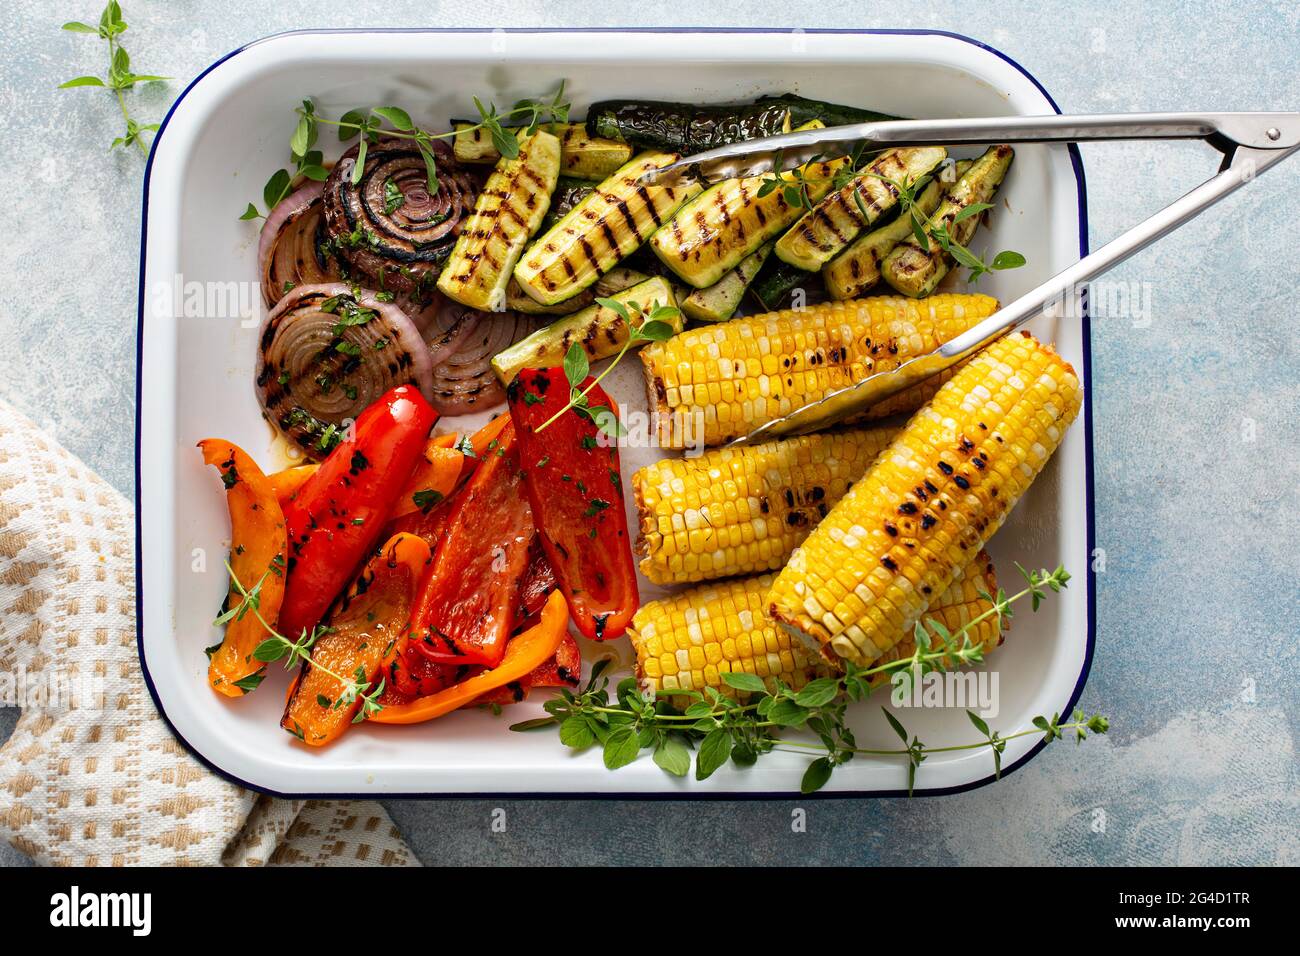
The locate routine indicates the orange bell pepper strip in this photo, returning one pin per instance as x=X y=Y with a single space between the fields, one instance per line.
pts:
x=432 y=482
x=562 y=670
x=258 y=543
x=483 y=439
x=524 y=653
x=362 y=628
x=287 y=481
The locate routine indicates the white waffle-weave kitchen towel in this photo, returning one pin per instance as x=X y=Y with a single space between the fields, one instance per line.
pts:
x=83 y=784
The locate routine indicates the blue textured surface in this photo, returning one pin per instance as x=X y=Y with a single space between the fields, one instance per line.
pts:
x=1197 y=430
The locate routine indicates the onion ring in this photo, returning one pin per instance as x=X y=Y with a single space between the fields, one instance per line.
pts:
x=464 y=382
x=389 y=226
x=288 y=251
x=326 y=352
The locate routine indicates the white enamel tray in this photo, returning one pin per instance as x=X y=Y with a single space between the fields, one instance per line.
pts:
x=230 y=129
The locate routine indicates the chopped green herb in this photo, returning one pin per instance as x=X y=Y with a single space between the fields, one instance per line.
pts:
x=425 y=500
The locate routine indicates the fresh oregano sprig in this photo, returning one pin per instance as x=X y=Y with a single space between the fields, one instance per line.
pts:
x=278 y=647
x=308 y=162
x=654 y=327
x=795 y=184
x=120 y=78
x=394 y=122
x=718 y=727
x=941 y=233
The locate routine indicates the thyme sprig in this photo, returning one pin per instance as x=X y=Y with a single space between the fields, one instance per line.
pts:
x=120 y=77
x=370 y=123
x=718 y=727
x=941 y=233
x=278 y=647
x=795 y=184
x=654 y=327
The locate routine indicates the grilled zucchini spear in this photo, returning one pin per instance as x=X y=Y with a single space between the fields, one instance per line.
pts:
x=689 y=128
x=684 y=126
x=507 y=211
x=713 y=232
x=857 y=269
x=915 y=270
x=604 y=227
x=582 y=156
x=616 y=280
x=600 y=331
x=719 y=301
x=821 y=233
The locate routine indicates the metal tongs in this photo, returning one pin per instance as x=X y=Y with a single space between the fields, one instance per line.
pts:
x=1250 y=143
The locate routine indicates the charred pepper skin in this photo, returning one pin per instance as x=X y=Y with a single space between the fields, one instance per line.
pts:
x=335 y=519
x=574 y=484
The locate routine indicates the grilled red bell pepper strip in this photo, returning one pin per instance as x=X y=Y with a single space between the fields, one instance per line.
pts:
x=571 y=471
x=466 y=607
x=411 y=674
x=335 y=519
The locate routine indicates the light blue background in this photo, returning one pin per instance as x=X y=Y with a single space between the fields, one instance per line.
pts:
x=1198 y=609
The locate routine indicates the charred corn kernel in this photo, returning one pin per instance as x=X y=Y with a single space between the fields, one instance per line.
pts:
x=712 y=384
x=957 y=607
x=689 y=640
x=864 y=576
x=735 y=511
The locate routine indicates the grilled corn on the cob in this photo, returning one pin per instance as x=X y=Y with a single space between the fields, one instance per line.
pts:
x=689 y=640
x=933 y=498
x=743 y=510
x=724 y=380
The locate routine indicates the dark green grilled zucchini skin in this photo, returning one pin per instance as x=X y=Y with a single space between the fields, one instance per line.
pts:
x=568 y=193
x=684 y=127
x=692 y=129
x=777 y=280
x=802 y=110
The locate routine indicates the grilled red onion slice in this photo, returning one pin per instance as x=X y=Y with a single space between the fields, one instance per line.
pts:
x=389 y=226
x=288 y=252
x=328 y=351
x=464 y=382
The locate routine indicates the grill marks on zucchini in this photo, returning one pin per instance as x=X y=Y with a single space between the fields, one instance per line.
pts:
x=729 y=221
x=507 y=212
x=857 y=269
x=603 y=228
x=600 y=331
x=916 y=271
x=837 y=219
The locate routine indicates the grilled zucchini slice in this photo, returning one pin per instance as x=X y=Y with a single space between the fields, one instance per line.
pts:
x=719 y=301
x=818 y=235
x=713 y=232
x=857 y=269
x=508 y=210
x=776 y=281
x=582 y=156
x=802 y=110
x=685 y=127
x=609 y=224
x=616 y=280
x=916 y=271
x=600 y=331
